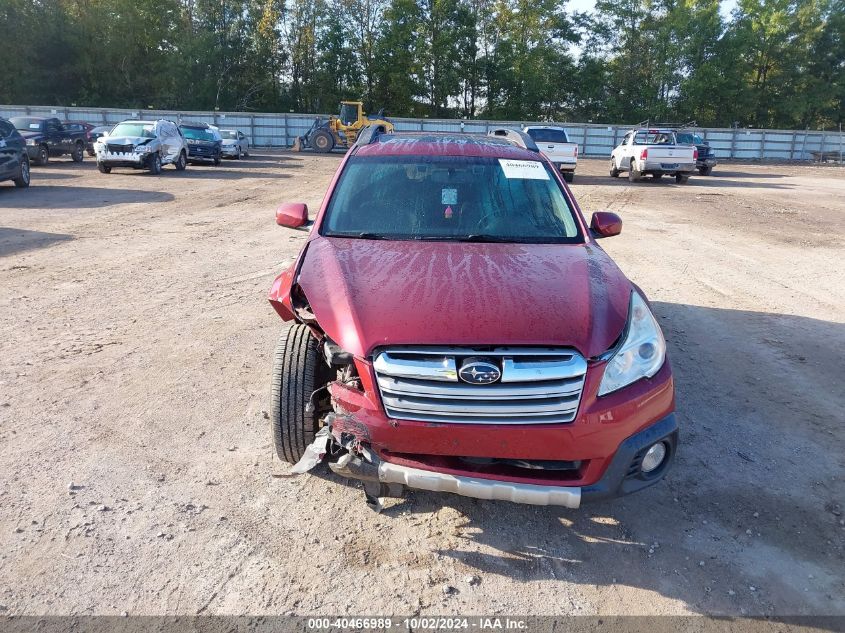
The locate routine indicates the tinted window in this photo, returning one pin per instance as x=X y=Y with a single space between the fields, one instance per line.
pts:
x=690 y=139
x=546 y=135
x=6 y=129
x=450 y=198
x=199 y=134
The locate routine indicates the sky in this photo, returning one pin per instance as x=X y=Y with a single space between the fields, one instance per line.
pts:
x=587 y=5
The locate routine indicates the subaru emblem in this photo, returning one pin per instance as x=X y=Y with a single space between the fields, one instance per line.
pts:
x=479 y=371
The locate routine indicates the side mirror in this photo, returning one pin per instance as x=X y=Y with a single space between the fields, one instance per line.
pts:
x=605 y=224
x=293 y=215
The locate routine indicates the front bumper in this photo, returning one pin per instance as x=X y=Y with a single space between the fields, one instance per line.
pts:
x=122 y=159
x=603 y=443
x=198 y=152
x=229 y=150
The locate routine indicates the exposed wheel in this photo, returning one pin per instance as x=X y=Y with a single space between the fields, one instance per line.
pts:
x=104 y=169
x=681 y=179
x=569 y=176
x=633 y=174
x=22 y=181
x=181 y=162
x=322 y=141
x=154 y=164
x=78 y=153
x=614 y=173
x=298 y=371
x=43 y=155
x=705 y=171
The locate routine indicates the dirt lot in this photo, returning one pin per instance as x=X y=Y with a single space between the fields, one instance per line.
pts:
x=136 y=472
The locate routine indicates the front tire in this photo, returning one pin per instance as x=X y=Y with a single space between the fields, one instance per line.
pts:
x=298 y=371
x=614 y=173
x=104 y=169
x=181 y=162
x=633 y=174
x=217 y=159
x=78 y=153
x=705 y=171
x=43 y=156
x=22 y=181
x=155 y=164
x=322 y=141
x=569 y=176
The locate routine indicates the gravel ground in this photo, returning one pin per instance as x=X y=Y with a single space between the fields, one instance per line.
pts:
x=136 y=470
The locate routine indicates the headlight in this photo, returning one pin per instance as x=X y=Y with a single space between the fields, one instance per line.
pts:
x=30 y=141
x=641 y=354
x=143 y=149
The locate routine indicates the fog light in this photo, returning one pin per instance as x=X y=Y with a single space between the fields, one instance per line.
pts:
x=654 y=457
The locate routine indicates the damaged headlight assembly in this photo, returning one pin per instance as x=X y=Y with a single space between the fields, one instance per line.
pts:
x=143 y=149
x=642 y=352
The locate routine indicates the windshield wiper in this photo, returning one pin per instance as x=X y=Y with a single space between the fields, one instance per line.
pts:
x=482 y=237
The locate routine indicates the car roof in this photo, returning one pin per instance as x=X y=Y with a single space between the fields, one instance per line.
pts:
x=444 y=144
x=544 y=127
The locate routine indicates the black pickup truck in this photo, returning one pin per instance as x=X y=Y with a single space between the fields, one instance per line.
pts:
x=47 y=137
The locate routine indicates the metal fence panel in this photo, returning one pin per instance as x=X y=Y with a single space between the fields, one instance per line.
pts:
x=281 y=129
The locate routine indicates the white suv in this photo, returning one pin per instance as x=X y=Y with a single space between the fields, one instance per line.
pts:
x=142 y=145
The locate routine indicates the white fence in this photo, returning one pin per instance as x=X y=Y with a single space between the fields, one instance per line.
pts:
x=280 y=129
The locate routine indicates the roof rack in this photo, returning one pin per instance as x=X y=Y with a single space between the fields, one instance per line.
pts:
x=667 y=126
x=372 y=133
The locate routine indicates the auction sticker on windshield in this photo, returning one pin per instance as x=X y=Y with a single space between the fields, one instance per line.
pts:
x=524 y=169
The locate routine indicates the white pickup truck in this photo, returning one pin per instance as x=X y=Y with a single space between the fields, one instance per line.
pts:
x=554 y=143
x=655 y=152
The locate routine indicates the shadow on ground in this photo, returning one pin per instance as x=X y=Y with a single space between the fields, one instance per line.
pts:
x=13 y=241
x=753 y=496
x=69 y=197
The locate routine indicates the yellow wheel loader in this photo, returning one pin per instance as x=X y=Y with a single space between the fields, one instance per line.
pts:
x=341 y=130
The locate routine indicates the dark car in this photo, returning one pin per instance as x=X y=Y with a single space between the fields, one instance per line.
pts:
x=87 y=129
x=706 y=160
x=14 y=161
x=204 y=142
x=47 y=137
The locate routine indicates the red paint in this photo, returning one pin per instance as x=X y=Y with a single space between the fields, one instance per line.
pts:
x=292 y=214
x=367 y=294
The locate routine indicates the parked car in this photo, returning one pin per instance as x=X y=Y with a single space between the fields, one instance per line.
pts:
x=204 y=142
x=554 y=143
x=235 y=143
x=457 y=328
x=95 y=133
x=14 y=160
x=706 y=160
x=655 y=152
x=142 y=145
x=85 y=128
x=48 y=137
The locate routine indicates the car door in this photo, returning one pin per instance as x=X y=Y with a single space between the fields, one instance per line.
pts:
x=8 y=151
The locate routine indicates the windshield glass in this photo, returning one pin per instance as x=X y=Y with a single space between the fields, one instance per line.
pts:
x=25 y=123
x=690 y=139
x=144 y=130
x=450 y=198
x=229 y=134
x=546 y=135
x=197 y=134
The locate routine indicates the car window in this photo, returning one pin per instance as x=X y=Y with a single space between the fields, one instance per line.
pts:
x=133 y=128
x=450 y=198
x=6 y=129
x=653 y=138
x=199 y=134
x=547 y=135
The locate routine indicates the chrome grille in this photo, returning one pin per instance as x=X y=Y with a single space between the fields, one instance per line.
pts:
x=537 y=385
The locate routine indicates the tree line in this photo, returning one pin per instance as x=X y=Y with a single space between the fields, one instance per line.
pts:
x=770 y=63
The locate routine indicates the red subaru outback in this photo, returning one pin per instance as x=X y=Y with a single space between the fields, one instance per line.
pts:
x=457 y=328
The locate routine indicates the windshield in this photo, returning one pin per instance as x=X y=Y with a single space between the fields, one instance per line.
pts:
x=450 y=198
x=229 y=134
x=547 y=135
x=197 y=134
x=25 y=123
x=144 y=130
x=690 y=139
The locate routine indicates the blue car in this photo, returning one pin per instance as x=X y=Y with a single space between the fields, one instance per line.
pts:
x=14 y=161
x=204 y=142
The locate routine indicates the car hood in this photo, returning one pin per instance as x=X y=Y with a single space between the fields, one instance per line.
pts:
x=126 y=140
x=367 y=293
